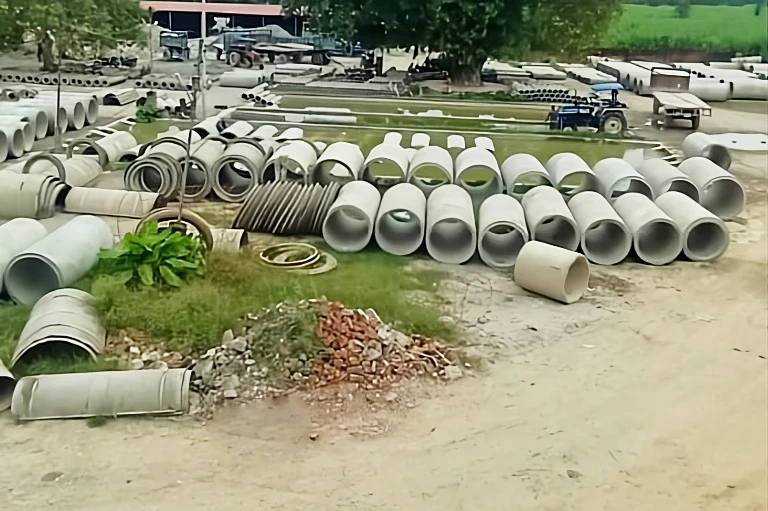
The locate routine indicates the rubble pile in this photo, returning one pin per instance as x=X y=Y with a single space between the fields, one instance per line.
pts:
x=133 y=353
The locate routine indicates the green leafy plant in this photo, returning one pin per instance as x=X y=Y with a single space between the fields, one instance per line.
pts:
x=146 y=114
x=155 y=257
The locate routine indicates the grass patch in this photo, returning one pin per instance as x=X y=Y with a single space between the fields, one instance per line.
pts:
x=147 y=132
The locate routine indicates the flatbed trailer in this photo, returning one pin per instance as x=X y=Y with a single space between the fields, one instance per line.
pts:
x=680 y=105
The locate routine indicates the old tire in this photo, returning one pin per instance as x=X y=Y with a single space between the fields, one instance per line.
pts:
x=233 y=59
x=246 y=61
x=613 y=124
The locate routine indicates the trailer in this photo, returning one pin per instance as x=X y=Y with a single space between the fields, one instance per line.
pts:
x=233 y=44
x=680 y=105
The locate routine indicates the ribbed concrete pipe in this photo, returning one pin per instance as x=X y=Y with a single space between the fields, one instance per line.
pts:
x=617 y=177
x=105 y=202
x=207 y=127
x=571 y=174
x=35 y=118
x=701 y=144
x=523 y=172
x=76 y=171
x=549 y=219
x=58 y=260
x=230 y=241
x=605 y=239
x=18 y=235
x=501 y=231
x=720 y=192
x=552 y=271
x=401 y=220
x=27 y=130
x=7 y=384
x=485 y=143
x=203 y=157
x=430 y=168
x=15 y=140
x=705 y=236
x=349 y=225
x=656 y=238
x=393 y=138
x=477 y=171
x=263 y=132
x=88 y=101
x=386 y=164
x=419 y=140
x=238 y=169
x=239 y=129
x=341 y=162
x=108 y=149
x=55 y=116
x=292 y=161
x=663 y=178
x=451 y=232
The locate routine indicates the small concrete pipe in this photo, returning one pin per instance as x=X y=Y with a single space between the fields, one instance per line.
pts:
x=419 y=140
x=501 y=231
x=18 y=235
x=617 y=177
x=108 y=149
x=292 y=161
x=341 y=162
x=207 y=127
x=202 y=159
x=477 y=171
x=263 y=132
x=485 y=143
x=605 y=238
x=15 y=140
x=237 y=170
x=451 y=231
x=386 y=165
x=27 y=130
x=656 y=238
x=349 y=225
x=523 y=172
x=393 y=138
x=720 y=192
x=75 y=171
x=663 y=178
x=701 y=144
x=571 y=174
x=430 y=168
x=552 y=271
x=401 y=220
x=239 y=129
x=36 y=119
x=705 y=236
x=549 y=219
x=54 y=116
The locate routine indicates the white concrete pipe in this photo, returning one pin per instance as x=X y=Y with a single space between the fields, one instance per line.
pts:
x=710 y=90
x=238 y=169
x=720 y=192
x=75 y=171
x=341 y=162
x=571 y=174
x=207 y=127
x=663 y=178
x=485 y=143
x=242 y=78
x=451 y=232
x=401 y=220
x=656 y=238
x=701 y=144
x=523 y=172
x=106 y=202
x=430 y=168
x=251 y=93
x=27 y=130
x=55 y=117
x=386 y=164
x=30 y=196
x=290 y=134
x=349 y=225
x=18 y=235
x=605 y=239
x=749 y=88
x=705 y=236
x=292 y=161
x=501 y=231
x=419 y=140
x=456 y=144
x=58 y=260
x=15 y=140
x=202 y=158
x=549 y=219
x=617 y=177
x=7 y=384
x=239 y=129
x=229 y=241
x=263 y=132
x=393 y=138
x=478 y=172
x=552 y=271
x=89 y=103
x=75 y=110
x=36 y=119
x=108 y=149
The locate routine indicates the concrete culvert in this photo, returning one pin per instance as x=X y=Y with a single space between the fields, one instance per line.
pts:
x=501 y=231
x=419 y=140
x=263 y=132
x=239 y=129
x=571 y=174
x=27 y=129
x=3 y=147
x=656 y=238
x=430 y=168
x=237 y=170
x=721 y=193
x=207 y=127
x=14 y=139
x=54 y=116
x=386 y=165
x=701 y=145
x=451 y=232
x=605 y=239
x=523 y=172
x=290 y=134
x=341 y=162
x=18 y=235
x=292 y=161
x=202 y=159
x=663 y=178
x=108 y=149
x=401 y=220
x=549 y=219
x=551 y=271
x=349 y=225
x=477 y=171
x=393 y=138
x=617 y=177
x=705 y=236
x=7 y=384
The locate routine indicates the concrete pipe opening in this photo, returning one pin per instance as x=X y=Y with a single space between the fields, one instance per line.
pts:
x=629 y=185
x=556 y=230
x=76 y=116
x=350 y=221
x=658 y=242
x=571 y=174
x=151 y=179
x=705 y=241
x=606 y=242
x=522 y=173
x=477 y=171
x=401 y=220
x=386 y=165
x=550 y=271
x=30 y=278
x=451 y=233
x=236 y=177
x=724 y=197
x=500 y=244
x=26 y=129
x=198 y=181
x=15 y=141
x=549 y=219
x=431 y=167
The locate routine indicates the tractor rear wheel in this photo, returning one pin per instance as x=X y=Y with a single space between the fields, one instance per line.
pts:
x=233 y=59
x=613 y=123
x=246 y=61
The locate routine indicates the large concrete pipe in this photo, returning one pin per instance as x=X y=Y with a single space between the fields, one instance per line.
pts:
x=501 y=231
x=386 y=165
x=523 y=172
x=657 y=239
x=30 y=196
x=430 y=168
x=349 y=225
x=108 y=149
x=75 y=171
x=701 y=144
x=749 y=88
x=75 y=111
x=56 y=117
x=292 y=161
x=720 y=192
x=571 y=174
x=3 y=147
x=485 y=143
x=238 y=169
x=393 y=138
x=552 y=271
x=289 y=134
x=58 y=260
x=88 y=101
x=341 y=162
x=18 y=235
x=401 y=220
x=549 y=219
x=27 y=131
x=710 y=90
x=207 y=127
x=664 y=178
x=263 y=132
x=605 y=238
x=456 y=144
x=239 y=129
x=451 y=232
x=202 y=158
x=477 y=171
x=7 y=384
x=105 y=202
x=157 y=172
x=35 y=118
x=420 y=140
x=617 y=177
x=705 y=236
x=229 y=241
x=15 y=140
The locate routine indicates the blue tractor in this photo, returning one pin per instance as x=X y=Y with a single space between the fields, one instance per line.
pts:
x=604 y=117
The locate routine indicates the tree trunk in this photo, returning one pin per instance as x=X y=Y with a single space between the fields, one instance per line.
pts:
x=49 y=62
x=466 y=73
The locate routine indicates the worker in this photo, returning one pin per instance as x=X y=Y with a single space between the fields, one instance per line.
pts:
x=40 y=52
x=614 y=95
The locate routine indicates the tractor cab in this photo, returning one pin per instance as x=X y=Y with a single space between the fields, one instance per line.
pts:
x=175 y=45
x=603 y=117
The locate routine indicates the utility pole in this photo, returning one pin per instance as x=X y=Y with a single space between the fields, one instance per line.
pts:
x=203 y=74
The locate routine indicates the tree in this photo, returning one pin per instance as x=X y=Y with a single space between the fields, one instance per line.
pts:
x=683 y=8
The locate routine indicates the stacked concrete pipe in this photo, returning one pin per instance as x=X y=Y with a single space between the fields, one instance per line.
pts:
x=710 y=89
x=287 y=134
x=617 y=177
x=749 y=88
x=108 y=149
x=549 y=219
x=451 y=232
x=523 y=172
x=75 y=171
x=88 y=101
x=251 y=93
x=456 y=144
x=207 y=127
x=202 y=159
x=76 y=110
x=292 y=161
x=552 y=271
x=701 y=145
x=55 y=117
x=238 y=169
x=393 y=138
x=27 y=130
x=18 y=235
x=15 y=140
x=663 y=178
x=605 y=239
x=705 y=236
x=106 y=202
x=431 y=167
x=264 y=132
x=478 y=172
x=501 y=231
x=485 y=143
x=341 y=162
x=157 y=168
x=571 y=174
x=720 y=192
x=349 y=225
x=237 y=130
x=37 y=120
x=401 y=219
x=657 y=239
x=420 y=140
x=386 y=165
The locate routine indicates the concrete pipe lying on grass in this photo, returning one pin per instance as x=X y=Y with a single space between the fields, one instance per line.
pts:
x=230 y=241
x=617 y=177
x=477 y=171
x=663 y=178
x=108 y=149
x=238 y=169
x=349 y=225
x=430 y=168
x=292 y=161
x=401 y=220
x=104 y=394
x=105 y=202
x=549 y=219
x=605 y=239
x=18 y=235
x=701 y=145
x=7 y=384
x=202 y=158
x=571 y=174
x=75 y=171
x=386 y=165
x=30 y=195
x=239 y=129
x=341 y=162
x=501 y=231
x=720 y=192
x=420 y=140
x=657 y=239
x=451 y=232
x=552 y=271
x=523 y=172
x=15 y=140
x=36 y=119
x=58 y=260
x=56 y=117
x=705 y=236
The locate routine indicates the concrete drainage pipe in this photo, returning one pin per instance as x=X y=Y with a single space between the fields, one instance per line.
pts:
x=401 y=220
x=7 y=384
x=451 y=232
x=420 y=140
x=158 y=173
x=240 y=129
x=456 y=144
x=203 y=156
x=605 y=238
x=701 y=145
x=393 y=138
x=705 y=236
x=663 y=178
x=105 y=202
x=18 y=235
x=552 y=271
x=88 y=101
x=341 y=162
x=386 y=165
x=27 y=130
x=290 y=134
x=721 y=193
x=292 y=161
x=501 y=231
x=571 y=174
x=549 y=219
x=207 y=127
x=58 y=260
x=237 y=170
x=35 y=118
x=3 y=147
x=30 y=196
x=657 y=239
x=430 y=168
x=108 y=149
x=350 y=221
x=15 y=140
x=477 y=171
x=263 y=132
x=485 y=143
x=617 y=177
x=230 y=241
x=523 y=172
x=56 y=117
x=75 y=171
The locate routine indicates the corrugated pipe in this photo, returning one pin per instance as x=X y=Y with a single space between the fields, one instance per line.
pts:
x=451 y=232
x=477 y=171
x=75 y=171
x=549 y=219
x=523 y=172
x=552 y=271
x=501 y=231
x=238 y=168
x=705 y=236
x=617 y=177
x=401 y=219
x=663 y=178
x=350 y=221
x=18 y=235
x=720 y=192
x=109 y=149
x=571 y=174
x=605 y=238
x=701 y=144
x=105 y=202
x=341 y=162
x=430 y=168
x=657 y=239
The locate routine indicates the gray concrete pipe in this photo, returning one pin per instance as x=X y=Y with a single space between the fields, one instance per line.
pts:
x=202 y=159
x=523 y=172
x=386 y=165
x=549 y=219
x=705 y=236
x=749 y=88
x=701 y=144
x=58 y=260
x=485 y=143
x=76 y=171
x=108 y=149
x=229 y=241
x=420 y=140
x=451 y=231
x=393 y=138
x=18 y=235
x=617 y=177
x=27 y=130
x=30 y=195
x=656 y=238
x=571 y=174
x=341 y=162
x=88 y=101
x=54 y=115
x=477 y=171
x=158 y=173
x=292 y=161
x=663 y=178
x=401 y=220
x=15 y=139
x=710 y=89
x=35 y=118
x=502 y=231
x=251 y=93
x=207 y=127
x=239 y=129
x=75 y=110
x=289 y=134
x=720 y=192
x=105 y=202
x=456 y=144
x=7 y=384
x=552 y=271
x=605 y=239
x=263 y=132
x=238 y=170
x=349 y=225
x=3 y=147
x=430 y=168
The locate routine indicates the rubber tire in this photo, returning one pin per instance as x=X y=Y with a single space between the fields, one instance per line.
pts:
x=246 y=61
x=233 y=59
x=316 y=59
x=622 y=122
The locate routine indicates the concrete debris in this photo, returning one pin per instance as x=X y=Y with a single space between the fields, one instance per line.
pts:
x=453 y=373
x=133 y=354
